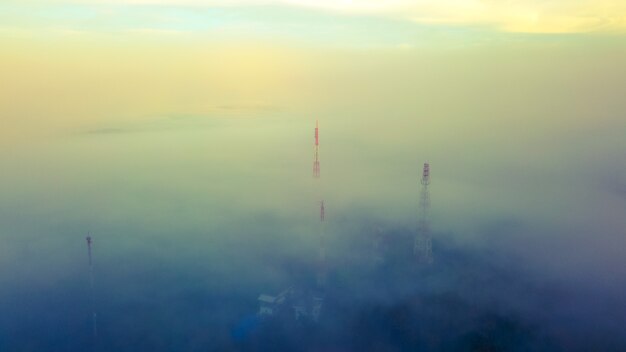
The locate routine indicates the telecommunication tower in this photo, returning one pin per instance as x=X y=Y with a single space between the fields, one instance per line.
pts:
x=423 y=249
x=316 y=152
x=321 y=269
x=94 y=315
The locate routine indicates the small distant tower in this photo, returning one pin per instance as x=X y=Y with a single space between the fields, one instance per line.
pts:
x=423 y=249
x=316 y=157
x=94 y=315
x=378 y=247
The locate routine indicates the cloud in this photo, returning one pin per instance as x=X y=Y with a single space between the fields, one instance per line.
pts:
x=244 y=107
x=181 y=121
x=529 y=16
x=155 y=31
x=106 y=131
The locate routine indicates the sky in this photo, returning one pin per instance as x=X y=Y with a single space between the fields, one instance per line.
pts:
x=200 y=15
x=180 y=134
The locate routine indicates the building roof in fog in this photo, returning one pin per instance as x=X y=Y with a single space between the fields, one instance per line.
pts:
x=267 y=298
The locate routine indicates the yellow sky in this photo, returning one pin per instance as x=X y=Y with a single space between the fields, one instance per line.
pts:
x=531 y=16
x=74 y=64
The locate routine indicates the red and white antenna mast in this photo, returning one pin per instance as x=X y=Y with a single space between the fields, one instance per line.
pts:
x=321 y=271
x=423 y=249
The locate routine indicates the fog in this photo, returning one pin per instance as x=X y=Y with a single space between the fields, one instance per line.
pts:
x=200 y=201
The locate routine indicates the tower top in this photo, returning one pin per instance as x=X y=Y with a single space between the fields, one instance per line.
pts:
x=426 y=174
x=317 y=133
